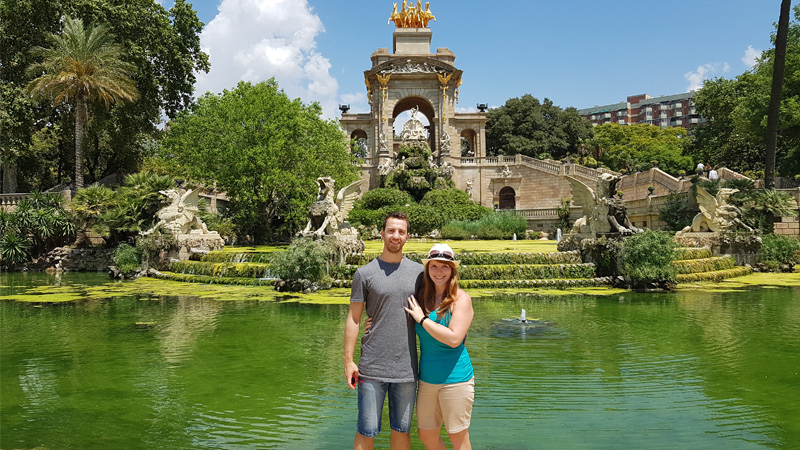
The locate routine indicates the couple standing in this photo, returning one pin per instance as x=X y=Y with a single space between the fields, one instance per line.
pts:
x=441 y=314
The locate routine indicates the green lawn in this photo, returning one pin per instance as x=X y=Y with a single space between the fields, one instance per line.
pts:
x=521 y=246
x=423 y=245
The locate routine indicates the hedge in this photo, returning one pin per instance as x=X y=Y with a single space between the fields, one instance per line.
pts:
x=704 y=264
x=571 y=257
x=691 y=253
x=500 y=272
x=555 y=283
x=717 y=275
x=214 y=269
x=525 y=272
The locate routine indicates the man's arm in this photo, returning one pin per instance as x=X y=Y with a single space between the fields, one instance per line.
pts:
x=351 y=326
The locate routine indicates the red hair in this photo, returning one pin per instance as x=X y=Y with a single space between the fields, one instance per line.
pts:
x=427 y=296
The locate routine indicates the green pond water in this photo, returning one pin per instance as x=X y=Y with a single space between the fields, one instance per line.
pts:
x=710 y=370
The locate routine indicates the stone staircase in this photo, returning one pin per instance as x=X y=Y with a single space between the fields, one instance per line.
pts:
x=477 y=270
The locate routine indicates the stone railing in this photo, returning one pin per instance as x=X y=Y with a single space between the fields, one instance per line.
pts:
x=546 y=213
x=548 y=166
x=8 y=202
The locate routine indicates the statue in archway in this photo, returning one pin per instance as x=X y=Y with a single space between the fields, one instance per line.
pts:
x=414 y=129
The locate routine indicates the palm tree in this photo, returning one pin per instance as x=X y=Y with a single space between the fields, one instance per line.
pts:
x=81 y=65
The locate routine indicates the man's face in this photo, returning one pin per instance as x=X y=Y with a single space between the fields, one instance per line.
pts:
x=394 y=235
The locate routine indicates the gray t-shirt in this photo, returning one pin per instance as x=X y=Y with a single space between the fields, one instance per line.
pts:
x=389 y=350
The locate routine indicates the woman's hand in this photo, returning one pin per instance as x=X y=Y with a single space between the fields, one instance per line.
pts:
x=414 y=309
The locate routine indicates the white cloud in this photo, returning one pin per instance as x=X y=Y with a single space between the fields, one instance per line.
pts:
x=467 y=109
x=750 y=56
x=705 y=72
x=254 y=40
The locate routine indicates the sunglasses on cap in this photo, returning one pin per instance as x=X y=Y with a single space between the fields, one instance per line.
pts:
x=444 y=255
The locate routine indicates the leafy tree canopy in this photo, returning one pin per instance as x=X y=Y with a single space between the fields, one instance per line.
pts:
x=264 y=150
x=163 y=44
x=536 y=129
x=635 y=147
x=736 y=110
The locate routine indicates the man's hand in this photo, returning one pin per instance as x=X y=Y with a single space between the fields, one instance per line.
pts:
x=351 y=374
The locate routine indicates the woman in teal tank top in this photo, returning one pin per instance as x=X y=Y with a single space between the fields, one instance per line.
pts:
x=446 y=384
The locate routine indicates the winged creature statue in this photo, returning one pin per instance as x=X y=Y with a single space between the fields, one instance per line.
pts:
x=602 y=212
x=328 y=215
x=716 y=213
x=179 y=217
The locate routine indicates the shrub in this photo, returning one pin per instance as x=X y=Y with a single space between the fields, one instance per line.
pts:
x=303 y=260
x=423 y=219
x=489 y=232
x=647 y=259
x=454 y=232
x=780 y=249
x=127 y=258
x=367 y=217
x=13 y=249
x=378 y=198
x=676 y=212
x=446 y=198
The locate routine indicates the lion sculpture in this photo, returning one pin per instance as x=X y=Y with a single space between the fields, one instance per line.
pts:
x=326 y=215
x=602 y=212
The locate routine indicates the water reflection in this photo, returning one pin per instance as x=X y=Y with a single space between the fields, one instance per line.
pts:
x=644 y=371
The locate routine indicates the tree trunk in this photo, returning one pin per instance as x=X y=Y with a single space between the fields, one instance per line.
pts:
x=80 y=130
x=775 y=96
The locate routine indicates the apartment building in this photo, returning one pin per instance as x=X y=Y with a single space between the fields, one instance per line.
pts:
x=676 y=110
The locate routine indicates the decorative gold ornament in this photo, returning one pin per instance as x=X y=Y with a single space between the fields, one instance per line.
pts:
x=369 y=91
x=458 y=86
x=444 y=80
x=411 y=16
x=383 y=80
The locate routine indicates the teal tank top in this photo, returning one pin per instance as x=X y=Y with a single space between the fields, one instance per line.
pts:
x=439 y=363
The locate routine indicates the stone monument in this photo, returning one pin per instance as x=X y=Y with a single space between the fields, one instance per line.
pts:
x=179 y=219
x=327 y=217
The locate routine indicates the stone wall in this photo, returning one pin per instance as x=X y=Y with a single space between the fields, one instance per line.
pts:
x=788 y=226
x=68 y=259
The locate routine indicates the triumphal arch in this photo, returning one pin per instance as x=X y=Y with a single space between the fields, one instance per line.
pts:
x=411 y=77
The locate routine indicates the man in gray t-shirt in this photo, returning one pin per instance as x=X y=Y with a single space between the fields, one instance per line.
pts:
x=388 y=362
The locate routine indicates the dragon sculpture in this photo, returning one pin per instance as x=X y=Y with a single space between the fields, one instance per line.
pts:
x=602 y=212
x=328 y=215
x=716 y=213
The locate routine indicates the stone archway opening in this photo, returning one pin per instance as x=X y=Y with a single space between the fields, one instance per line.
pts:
x=359 y=144
x=507 y=198
x=402 y=113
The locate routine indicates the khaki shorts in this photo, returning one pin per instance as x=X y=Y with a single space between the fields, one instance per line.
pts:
x=451 y=403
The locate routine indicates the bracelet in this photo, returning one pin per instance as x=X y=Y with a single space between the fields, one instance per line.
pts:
x=422 y=320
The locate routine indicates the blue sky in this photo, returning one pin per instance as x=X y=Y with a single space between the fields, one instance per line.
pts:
x=579 y=53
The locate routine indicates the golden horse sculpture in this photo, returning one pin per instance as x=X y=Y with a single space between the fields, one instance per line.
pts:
x=411 y=16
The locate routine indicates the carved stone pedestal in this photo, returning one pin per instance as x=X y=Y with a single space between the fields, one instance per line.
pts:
x=196 y=239
x=746 y=248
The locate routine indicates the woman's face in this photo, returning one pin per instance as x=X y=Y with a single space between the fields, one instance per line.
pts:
x=439 y=272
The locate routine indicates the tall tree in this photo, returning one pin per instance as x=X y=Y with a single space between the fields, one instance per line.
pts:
x=164 y=44
x=638 y=146
x=775 y=95
x=82 y=65
x=264 y=150
x=537 y=129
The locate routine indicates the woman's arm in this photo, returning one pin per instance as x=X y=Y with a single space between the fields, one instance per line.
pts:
x=454 y=334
